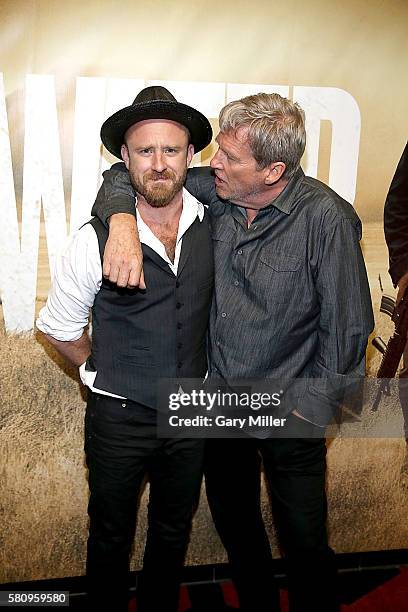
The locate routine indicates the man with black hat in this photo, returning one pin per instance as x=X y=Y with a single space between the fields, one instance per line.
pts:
x=138 y=337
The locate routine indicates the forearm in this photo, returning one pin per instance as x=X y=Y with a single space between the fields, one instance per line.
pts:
x=75 y=352
x=123 y=256
x=115 y=203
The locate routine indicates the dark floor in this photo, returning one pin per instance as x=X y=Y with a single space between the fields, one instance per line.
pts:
x=369 y=582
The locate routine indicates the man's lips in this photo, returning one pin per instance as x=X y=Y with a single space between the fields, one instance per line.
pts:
x=219 y=180
x=159 y=179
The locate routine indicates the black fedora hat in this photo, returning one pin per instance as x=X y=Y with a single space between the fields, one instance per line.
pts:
x=155 y=102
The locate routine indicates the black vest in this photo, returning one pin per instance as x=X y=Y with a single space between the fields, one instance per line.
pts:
x=139 y=336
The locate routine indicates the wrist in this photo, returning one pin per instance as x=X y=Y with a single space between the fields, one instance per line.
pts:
x=121 y=219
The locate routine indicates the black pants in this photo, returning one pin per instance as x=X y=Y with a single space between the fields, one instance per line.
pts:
x=121 y=448
x=295 y=472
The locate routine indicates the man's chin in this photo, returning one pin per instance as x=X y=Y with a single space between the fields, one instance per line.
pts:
x=158 y=202
x=222 y=192
x=159 y=197
x=159 y=193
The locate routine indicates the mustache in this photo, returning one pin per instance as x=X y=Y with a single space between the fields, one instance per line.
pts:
x=154 y=175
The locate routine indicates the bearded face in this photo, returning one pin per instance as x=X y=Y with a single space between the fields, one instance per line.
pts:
x=157 y=155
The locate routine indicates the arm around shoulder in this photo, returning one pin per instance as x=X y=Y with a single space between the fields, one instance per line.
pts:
x=115 y=203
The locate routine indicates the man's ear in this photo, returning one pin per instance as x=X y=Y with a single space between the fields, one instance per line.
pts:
x=125 y=155
x=190 y=154
x=274 y=173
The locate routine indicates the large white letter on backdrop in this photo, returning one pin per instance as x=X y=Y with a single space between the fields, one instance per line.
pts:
x=42 y=182
x=339 y=107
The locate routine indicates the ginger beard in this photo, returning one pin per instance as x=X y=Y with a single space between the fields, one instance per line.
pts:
x=157 y=154
x=158 y=188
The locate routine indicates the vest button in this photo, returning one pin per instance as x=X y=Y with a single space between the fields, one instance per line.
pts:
x=179 y=325
x=179 y=365
x=178 y=305
x=179 y=345
x=177 y=284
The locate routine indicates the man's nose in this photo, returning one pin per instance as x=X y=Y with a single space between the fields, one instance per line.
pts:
x=158 y=162
x=216 y=162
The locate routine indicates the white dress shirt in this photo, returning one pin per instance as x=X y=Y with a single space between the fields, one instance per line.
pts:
x=78 y=278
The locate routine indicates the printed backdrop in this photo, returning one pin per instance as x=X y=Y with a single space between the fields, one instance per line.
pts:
x=66 y=66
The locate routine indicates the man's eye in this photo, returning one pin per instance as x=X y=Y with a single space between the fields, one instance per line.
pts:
x=227 y=156
x=145 y=151
x=170 y=150
x=230 y=157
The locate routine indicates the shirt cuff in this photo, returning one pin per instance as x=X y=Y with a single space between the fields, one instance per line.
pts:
x=57 y=334
x=324 y=396
x=119 y=204
x=87 y=376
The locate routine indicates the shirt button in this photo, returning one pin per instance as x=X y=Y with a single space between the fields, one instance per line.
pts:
x=240 y=252
x=223 y=314
x=123 y=404
x=236 y=283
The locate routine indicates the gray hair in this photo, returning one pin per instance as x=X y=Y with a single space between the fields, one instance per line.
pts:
x=276 y=128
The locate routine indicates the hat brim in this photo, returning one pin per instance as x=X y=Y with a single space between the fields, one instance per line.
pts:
x=114 y=128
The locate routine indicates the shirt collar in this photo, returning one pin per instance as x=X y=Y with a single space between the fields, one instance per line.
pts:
x=191 y=206
x=286 y=199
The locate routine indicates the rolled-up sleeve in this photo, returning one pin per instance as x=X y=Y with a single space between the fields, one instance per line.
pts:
x=77 y=279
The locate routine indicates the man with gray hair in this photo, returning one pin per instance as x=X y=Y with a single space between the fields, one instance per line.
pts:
x=291 y=301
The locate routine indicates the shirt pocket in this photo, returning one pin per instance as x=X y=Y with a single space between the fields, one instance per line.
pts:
x=279 y=276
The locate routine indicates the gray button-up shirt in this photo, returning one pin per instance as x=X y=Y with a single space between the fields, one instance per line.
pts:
x=291 y=292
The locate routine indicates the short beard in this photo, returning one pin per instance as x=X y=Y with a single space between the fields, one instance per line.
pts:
x=160 y=195
x=240 y=198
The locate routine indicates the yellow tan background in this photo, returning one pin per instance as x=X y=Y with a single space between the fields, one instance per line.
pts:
x=356 y=45
x=360 y=46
